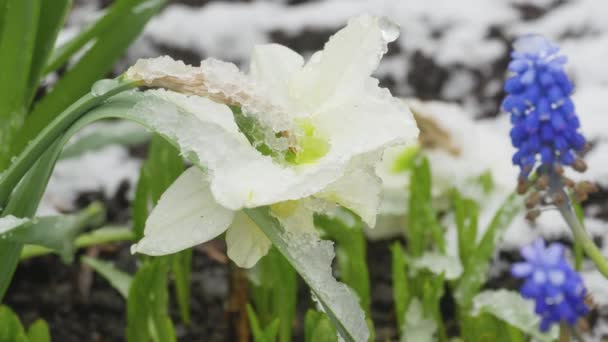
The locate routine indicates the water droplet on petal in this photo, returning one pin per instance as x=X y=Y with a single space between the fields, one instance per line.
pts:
x=389 y=29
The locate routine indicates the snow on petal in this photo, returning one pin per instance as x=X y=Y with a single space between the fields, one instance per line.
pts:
x=273 y=65
x=313 y=259
x=239 y=175
x=186 y=215
x=347 y=60
x=246 y=243
x=354 y=116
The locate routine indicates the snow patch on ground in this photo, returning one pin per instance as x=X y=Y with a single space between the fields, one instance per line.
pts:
x=101 y=170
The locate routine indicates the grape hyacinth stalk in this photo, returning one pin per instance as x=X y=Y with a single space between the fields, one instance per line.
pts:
x=557 y=290
x=546 y=134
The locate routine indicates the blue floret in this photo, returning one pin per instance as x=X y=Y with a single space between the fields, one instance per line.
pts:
x=545 y=124
x=557 y=290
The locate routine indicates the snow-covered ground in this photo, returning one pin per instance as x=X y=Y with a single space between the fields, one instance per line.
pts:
x=448 y=51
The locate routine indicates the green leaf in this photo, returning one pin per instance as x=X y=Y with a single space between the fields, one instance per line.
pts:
x=269 y=334
x=312 y=259
x=119 y=280
x=26 y=179
x=53 y=15
x=122 y=133
x=10 y=326
x=163 y=166
x=401 y=290
x=466 y=213
x=406 y=160
x=99 y=236
x=310 y=256
x=510 y=307
x=181 y=267
x=113 y=16
x=486 y=327
x=147 y=315
x=17 y=43
x=95 y=64
x=39 y=332
x=477 y=265
x=274 y=292
x=346 y=229
x=418 y=327
x=56 y=232
x=422 y=225
x=318 y=328
x=23 y=203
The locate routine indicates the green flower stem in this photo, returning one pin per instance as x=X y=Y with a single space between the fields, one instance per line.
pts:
x=582 y=238
x=556 y=189
x=100 y=236
x=22 y=163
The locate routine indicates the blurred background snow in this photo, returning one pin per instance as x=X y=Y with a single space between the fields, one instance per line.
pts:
x=451 y=53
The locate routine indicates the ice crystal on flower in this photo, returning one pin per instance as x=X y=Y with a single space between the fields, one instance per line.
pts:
x=557 y=290
x=314 y=258
x=545 y=124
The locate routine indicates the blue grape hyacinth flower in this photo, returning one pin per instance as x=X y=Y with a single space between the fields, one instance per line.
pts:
x=545 y=124
x=557 y=290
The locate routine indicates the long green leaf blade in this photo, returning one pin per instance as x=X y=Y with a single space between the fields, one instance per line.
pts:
x=312 y=259
x=119 y=280
x=147 y=315
x=17 y=43
x=95 y=64
x=53 y=14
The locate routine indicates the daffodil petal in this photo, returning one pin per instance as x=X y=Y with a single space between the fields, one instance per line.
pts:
x=186 y=215
x=358 y=190
x=245 y=241
x=300 y=219
x=347 y=60
x=273 y=65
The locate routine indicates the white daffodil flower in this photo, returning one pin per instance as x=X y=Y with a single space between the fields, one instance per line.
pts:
x=291 y=134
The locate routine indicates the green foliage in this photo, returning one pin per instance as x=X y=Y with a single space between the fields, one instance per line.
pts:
x=99 y=236
x=51 y=19
x=110 y=36
x=120 y=132
x=318 y=328
x=11 y=329
x=487 y=328
x=346 y=229
x=422 y=219
x=477 y=262
x=401 y=291
x=510 y=309
x=39 y=331
x=465 y=213
x=57 y=232
x=18 y=43
x=147 y=314
x=303 y=256
x=119 y=280
x=406 y=160
x=274 y=293
x=268 y=334
x=163 y=166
